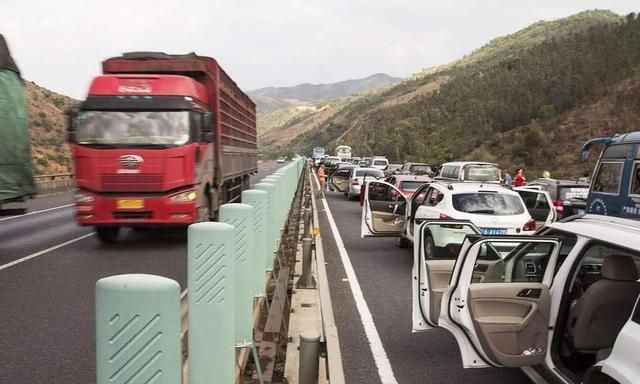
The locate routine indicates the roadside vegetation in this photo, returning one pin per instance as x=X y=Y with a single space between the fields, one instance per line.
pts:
x=529 y=100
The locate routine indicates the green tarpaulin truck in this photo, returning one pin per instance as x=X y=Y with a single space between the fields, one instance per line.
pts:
x=16 y=174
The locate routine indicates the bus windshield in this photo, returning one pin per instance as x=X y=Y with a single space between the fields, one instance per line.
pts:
x=140 y=127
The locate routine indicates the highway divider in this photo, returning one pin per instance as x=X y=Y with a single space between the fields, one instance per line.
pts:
x=240 y=274
x=50 y=184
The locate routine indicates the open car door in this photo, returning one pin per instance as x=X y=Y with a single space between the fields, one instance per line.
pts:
x=501 y=319
x=340 y=180
x=435 y=250
x=383 y=210
x=539 y=205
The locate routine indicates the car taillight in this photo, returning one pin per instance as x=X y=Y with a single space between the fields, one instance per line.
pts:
x=559 y=206
x=530 y=225
x=445 y=217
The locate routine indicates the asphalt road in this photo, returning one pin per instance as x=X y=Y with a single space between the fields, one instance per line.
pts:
x=384 y=273
x=47 y=300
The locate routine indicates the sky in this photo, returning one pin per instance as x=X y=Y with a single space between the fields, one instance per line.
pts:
x=60 y=44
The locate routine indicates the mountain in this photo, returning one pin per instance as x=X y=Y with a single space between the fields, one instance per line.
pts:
x=49 y=152
x=272 y=98
x=529 y=100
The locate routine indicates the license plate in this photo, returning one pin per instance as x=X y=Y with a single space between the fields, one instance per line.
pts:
x=580 y=211
x=130 y=204
x=493 y=231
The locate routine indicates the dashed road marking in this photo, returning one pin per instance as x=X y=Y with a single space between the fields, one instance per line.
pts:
x=36 y=212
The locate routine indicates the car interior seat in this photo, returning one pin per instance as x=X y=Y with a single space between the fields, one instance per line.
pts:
x=601 y=312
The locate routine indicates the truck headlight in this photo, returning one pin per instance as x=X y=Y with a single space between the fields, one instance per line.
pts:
x=83 y=198
x=184 y=197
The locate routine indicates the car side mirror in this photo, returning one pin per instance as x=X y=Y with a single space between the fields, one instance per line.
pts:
x=72 y=116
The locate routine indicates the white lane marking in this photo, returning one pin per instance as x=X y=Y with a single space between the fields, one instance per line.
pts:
x=385 y=372
x=11 y=264
x=36 y=212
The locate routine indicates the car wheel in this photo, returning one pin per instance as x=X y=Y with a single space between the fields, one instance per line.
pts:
x=108 y=234
x=402 y=242
x=429 y=247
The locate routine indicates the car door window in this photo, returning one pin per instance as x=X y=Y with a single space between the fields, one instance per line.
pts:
x=607 y=179
x=434 y=197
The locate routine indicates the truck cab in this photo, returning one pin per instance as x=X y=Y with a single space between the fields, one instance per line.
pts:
x=161 y=140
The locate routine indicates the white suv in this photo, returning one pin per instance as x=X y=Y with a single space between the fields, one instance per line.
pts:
x=496 y=210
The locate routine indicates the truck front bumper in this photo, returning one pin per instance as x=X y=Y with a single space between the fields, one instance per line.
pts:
x=134 y=211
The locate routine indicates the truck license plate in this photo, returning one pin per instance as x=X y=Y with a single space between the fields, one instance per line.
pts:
x=130 y=204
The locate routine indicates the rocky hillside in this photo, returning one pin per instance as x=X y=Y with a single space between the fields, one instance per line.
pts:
x=274 y=98
x=529 y=100
x=49 y=151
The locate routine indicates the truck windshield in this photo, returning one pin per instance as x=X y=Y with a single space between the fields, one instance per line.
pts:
x=135 y=128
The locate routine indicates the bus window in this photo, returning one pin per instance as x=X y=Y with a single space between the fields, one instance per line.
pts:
x=616 y=151
x=635 y=180
x=607 y=179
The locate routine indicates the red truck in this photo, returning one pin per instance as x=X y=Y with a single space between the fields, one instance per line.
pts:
x=161 y=140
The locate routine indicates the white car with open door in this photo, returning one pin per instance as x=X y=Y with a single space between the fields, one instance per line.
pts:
x=491 y=208
x=552 y=304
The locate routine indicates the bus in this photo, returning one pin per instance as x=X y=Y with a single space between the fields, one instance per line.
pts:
x=343 y=151
x=615 y=185
x=317 y=153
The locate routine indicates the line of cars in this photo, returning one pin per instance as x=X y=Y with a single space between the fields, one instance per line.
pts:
x=514 y=284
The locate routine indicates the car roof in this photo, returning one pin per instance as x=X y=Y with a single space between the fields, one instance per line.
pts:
x=458 y=163
x=473 y=186
x=367 y=169
x=560 y=182
x=412 y=178
x=614 y=230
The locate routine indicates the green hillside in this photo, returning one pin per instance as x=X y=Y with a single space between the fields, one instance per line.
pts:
x=514 y=88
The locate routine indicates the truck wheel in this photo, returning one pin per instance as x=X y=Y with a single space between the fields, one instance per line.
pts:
x=402 y=242
x=204 y=213
x=108 y=234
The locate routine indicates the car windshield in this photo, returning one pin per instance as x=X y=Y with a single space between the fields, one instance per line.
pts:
x=379 y=162
x=488 y=203
x=568 y=193
x=411 y=185
x=481 y=173
x=420 y=168
x=142 y=127
x=369 y=173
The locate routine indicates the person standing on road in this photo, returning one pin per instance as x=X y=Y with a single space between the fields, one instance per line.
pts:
x=506 y=177
x=519 y=180
x=321 y=179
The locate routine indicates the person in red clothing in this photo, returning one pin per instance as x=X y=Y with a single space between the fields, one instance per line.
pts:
x=321 y=179
x=519 y=180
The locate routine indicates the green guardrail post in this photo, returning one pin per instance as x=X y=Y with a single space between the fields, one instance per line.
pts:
x=272 y=228
x=259 y=200
x=138 y=330
x=211 y=279
x=280 y=198
x=241 y=217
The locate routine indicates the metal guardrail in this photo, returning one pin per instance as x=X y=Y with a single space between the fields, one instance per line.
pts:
x=56 y=176
x=141 y=320
x=335 y=369
x=60 y=182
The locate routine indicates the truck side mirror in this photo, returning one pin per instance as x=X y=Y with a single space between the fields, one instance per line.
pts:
x=72 y=116
x=207 y=127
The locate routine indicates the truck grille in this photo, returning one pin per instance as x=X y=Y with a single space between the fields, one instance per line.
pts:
x=132 y=182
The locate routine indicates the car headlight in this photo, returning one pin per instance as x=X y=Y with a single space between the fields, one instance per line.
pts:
x=184 y=197
x=83 y=198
